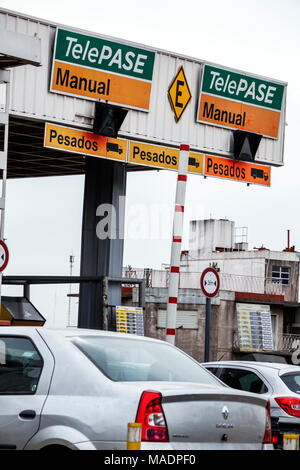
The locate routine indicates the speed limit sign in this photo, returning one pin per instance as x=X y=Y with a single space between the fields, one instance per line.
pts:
x=3 y=255
x=210 y=282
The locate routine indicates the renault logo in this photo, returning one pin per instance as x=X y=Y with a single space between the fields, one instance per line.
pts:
x=225 y=412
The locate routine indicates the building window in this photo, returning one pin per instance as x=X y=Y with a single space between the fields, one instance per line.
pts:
x=281 y=274
x=187 y=319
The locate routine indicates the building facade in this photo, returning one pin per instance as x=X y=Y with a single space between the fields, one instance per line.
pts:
x=256 y=310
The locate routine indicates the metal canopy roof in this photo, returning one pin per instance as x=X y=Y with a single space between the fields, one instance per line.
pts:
x=28 y=158
x=18 y=49
x=32 y=104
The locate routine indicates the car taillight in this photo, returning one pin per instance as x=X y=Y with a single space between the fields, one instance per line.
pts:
x=275 y=439
x=151 y=416
x=268 y=428
x=290 y=405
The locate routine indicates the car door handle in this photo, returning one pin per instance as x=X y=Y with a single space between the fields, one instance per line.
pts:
x=27 y=414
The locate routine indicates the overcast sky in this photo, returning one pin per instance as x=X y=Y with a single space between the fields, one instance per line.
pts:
x=43 y=221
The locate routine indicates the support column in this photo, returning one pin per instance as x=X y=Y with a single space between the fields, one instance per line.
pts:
x=105 y=183
x=176 y=243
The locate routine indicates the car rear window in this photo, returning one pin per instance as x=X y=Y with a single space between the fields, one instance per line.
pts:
x=125 y=359
x=242 y=379
x=292 y=381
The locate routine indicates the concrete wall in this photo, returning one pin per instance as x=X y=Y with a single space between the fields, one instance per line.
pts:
x=223 y=329
x=247 y=271
x=223 y=322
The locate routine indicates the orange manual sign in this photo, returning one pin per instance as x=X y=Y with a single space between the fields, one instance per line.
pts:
x=96 y=68
x=239 y=101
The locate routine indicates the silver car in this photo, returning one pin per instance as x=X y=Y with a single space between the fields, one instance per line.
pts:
x=79 y=389
x=277 y=381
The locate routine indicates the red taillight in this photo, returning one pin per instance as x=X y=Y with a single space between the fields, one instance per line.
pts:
x=268 y=428
x=290 y=405
x=151 y=416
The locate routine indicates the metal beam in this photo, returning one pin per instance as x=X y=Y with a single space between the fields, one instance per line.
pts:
x=105 y=182
x=14 y=280
x=19 y=49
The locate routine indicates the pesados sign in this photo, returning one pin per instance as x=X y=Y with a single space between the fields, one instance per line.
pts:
x=82 y=142
x=85 y=143
x=167 y=158
x=240 y=101
x=96 y=68
x=237 y=170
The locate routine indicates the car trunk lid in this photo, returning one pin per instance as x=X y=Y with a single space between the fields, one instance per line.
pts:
x=211 y=415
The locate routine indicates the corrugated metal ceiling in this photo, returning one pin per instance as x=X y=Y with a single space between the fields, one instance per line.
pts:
x=27 y=157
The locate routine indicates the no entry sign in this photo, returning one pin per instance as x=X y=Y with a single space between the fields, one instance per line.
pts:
x=3 y=255
x=210 y=282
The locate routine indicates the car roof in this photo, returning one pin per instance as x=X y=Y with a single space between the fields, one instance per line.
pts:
x=258 y=365
x=91 y=332
x=73 y=331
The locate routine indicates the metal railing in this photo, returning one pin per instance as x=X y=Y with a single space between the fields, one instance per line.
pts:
x=286 y=342
x=102 y=283
x=191 y=280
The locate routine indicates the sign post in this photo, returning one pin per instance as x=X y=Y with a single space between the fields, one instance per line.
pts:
x=4 y=255
x=176 y=243
x=210 y=284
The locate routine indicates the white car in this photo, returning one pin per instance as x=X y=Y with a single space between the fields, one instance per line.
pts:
x=278 y=382
x=79 y=389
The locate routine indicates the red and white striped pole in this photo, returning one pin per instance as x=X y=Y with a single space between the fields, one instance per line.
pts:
x=176 y=243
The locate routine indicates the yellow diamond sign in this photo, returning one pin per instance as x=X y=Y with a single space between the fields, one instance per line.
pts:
x=179 y=94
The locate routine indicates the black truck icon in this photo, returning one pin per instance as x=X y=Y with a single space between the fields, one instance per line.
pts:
x=193 y=162
x=258 y=173
x=111 y=147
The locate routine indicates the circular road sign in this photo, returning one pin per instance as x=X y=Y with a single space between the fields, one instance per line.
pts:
x=3 y=255
x=210 y=282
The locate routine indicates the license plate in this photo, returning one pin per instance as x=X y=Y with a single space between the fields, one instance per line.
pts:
x=291 y=442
